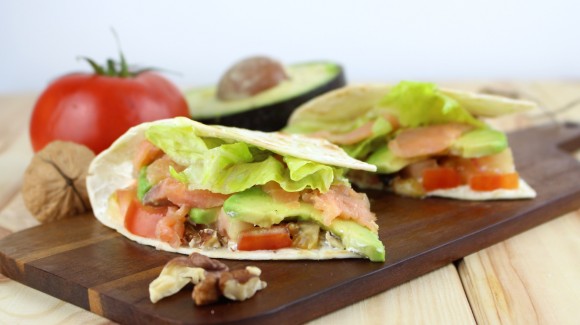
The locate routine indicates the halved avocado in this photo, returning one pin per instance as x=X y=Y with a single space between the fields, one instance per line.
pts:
x=270 y=109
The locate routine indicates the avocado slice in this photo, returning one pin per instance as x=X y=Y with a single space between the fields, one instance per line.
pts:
x=387 y=162
x=268 y=110
x=256 y=207
x=479 y=143
x=203 y=216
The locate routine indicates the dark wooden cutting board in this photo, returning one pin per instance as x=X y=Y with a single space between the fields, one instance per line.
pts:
x=89 y=265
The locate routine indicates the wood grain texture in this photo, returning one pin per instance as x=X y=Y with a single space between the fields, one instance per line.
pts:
x=15 y=149
x=438 y=294
x=528 y=279
x=24 y=305
x=80 y=261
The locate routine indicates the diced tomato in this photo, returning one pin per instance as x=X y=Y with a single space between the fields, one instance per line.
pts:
x=440 y=178
x=493 y=181
x=146 y=154
x=264 y=238
x=141 y=220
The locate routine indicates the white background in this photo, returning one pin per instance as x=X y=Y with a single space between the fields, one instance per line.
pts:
x=374 y=40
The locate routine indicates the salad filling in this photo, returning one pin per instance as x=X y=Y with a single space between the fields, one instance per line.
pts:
x=423 y=140
x=211 y=193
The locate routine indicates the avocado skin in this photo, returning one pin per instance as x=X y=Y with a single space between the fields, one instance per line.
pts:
x=274 y=117
x=255 y=206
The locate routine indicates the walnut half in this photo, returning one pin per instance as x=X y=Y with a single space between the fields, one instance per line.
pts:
x=211 y=278
x=241 y=284
x=175 y=275
x=54 y=183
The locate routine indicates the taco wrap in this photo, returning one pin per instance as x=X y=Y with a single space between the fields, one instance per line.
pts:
x=224 y=192
x=425 y=141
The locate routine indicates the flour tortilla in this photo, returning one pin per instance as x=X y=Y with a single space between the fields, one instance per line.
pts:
x=351 y=102
x=113 y=169
x=464 y=192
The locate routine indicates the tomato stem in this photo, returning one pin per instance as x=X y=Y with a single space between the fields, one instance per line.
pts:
x=97 y=68
x=124 y=67
x=111 y=71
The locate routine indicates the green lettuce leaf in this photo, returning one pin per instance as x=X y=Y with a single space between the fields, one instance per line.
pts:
x=234 y=167
x=143 y=185
x=418 y=104
x=178 y=142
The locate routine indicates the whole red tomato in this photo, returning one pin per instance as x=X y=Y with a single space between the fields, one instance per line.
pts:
x=95 y=109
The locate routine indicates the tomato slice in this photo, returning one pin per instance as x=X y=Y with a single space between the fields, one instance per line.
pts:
x=264 y=238
x=440 y=178
x=141 y=220
x=494 y=181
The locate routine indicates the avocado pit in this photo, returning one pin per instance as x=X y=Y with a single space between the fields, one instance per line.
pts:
x=249 y=77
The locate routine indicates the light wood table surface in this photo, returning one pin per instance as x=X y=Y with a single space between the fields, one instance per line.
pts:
x=532 y=278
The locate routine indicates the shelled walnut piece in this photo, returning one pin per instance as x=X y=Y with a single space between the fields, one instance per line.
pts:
x=54 y=183
x=211 y=279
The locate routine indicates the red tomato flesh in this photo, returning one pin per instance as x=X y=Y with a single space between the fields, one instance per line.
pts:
x=264 y=238
x=493 y=181
x=142 y=220
x=440 y=178
x=95 y=110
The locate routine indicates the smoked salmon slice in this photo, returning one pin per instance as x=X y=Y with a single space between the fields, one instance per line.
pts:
x=173 y=191
x=343 y=202
x=426 y=140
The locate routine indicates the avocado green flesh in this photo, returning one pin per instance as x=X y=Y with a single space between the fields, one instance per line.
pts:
x=256 y=207
x=203 y=216
x=203 y=102
x=359 y=239
x=479 y=143
x=387 y=162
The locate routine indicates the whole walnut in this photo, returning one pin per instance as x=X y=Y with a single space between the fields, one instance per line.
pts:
x=54 y=183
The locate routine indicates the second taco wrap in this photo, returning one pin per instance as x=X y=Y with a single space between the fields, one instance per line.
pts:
x=425 y=141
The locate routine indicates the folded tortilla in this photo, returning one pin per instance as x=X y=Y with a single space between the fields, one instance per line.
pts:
x=318 y=164
x=413 y=105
